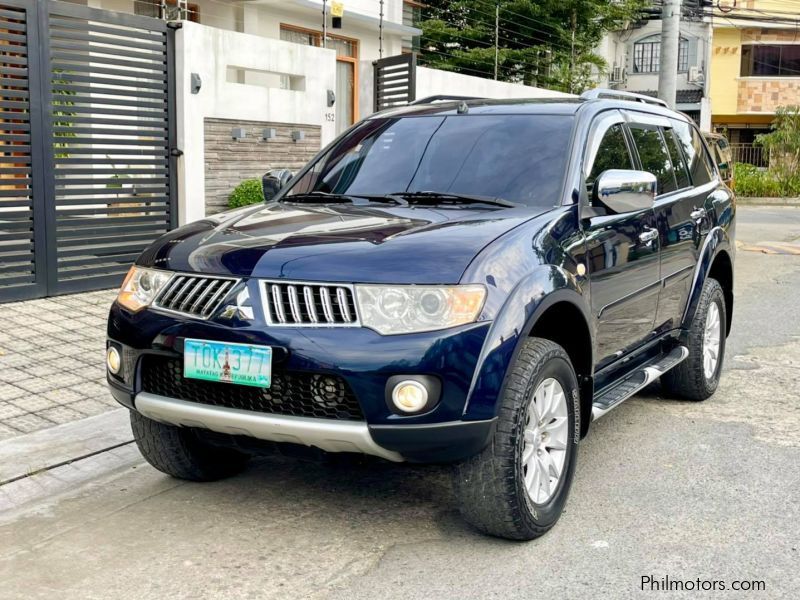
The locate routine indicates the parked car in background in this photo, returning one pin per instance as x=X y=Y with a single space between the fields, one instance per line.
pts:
x=721 y=152
x=471 y=282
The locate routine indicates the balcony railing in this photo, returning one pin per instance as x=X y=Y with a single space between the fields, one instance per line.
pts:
x=750 y=154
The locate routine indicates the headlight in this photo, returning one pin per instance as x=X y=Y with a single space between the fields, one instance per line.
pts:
x=141 y=286
x=411 y=308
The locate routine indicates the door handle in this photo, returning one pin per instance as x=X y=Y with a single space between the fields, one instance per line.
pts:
x=698 y=214
x=648 y=235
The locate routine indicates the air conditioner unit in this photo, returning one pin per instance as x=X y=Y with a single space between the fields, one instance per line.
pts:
x=695 y=75
x=617 y=75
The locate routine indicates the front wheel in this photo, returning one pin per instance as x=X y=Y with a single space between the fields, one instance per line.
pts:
x=517 y=486
x=179 y=451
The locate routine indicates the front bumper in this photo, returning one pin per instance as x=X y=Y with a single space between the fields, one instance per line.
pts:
x=363 y=358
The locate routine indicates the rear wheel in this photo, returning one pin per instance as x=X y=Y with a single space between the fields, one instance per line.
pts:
x=517 y=486
x=180 y=452
x=697 y=377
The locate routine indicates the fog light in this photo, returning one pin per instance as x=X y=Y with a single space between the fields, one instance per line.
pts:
x=410 y=396
x=113 y=360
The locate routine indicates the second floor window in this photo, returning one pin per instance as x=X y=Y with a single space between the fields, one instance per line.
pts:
x=770 y=60
x=647 y=55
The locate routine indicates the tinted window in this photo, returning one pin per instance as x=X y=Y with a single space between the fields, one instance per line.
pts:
x=612 y=153
x=521 y=158
x=678 y=162
x=696 y=155
x=654 y=157
x=772 y=60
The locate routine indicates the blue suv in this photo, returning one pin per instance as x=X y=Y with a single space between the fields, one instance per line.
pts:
x=471 y=282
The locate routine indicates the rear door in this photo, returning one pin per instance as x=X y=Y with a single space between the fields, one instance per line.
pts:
x=623 y=267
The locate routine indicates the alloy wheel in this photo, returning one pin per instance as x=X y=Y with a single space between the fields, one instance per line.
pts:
x=545 y=435
x=711 y=340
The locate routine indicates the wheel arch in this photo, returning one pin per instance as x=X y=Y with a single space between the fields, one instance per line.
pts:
x=722 y=270
x=716 y=256
x=541 y=305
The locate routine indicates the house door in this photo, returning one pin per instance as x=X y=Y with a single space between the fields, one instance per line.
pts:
x=346 y=107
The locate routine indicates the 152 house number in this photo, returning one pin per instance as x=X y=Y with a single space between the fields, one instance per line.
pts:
x=329 y=116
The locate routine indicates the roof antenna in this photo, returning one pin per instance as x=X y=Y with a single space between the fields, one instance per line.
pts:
x=462 y=108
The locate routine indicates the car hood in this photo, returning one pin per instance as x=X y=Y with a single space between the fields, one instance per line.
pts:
x=336 y=243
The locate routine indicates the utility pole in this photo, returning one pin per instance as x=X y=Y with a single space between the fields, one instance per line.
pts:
x=668 y=66
x=380 y=32
x=496 y=38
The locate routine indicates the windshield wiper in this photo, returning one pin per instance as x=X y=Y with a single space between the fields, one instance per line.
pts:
x=445 y=197
x=329 y=198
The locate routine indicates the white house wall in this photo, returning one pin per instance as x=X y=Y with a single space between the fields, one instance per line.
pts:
x=209 y=51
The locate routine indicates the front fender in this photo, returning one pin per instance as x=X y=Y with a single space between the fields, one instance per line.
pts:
x=531 y=297
x=716 y=241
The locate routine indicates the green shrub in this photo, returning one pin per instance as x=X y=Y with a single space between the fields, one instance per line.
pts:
x=246 y=193
x=750 y=181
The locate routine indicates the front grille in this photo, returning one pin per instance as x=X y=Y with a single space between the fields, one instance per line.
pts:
x=310 y=304
x=291 y=393
x=197 y=295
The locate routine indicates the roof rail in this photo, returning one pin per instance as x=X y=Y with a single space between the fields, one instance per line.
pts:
x=442 y=97
x=620 y=95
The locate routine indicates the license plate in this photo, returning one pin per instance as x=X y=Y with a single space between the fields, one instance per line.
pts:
x=242 y=364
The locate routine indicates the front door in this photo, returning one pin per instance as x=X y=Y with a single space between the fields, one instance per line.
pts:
x=623 y=267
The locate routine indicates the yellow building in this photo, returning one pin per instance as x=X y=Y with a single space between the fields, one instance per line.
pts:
x=755 y=68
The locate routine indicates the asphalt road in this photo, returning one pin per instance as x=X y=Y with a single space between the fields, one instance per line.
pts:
x=707 y=491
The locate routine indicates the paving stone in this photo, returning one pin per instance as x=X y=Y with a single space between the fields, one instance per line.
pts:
x=90 y=407
x=13 y=360
x=63 y=396
x=33 y=403
x=13 y=374
x=36 y=385
x=8 y=410
x=7 y=432
x=10 y=392
x=38 y=370
x=29 y=422
x=60 y=414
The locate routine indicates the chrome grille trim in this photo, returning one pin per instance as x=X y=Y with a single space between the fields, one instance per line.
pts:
x=194 y=295
x=309 y=304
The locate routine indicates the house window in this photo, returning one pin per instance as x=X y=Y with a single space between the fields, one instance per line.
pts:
x=346 y=112
x=412 y=14
x=770 y=60
x=168 y=10
x=647 y=55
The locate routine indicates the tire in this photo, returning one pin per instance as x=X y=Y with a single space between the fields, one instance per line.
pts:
x=491 y=486
x=179 y=452
x=689 y=379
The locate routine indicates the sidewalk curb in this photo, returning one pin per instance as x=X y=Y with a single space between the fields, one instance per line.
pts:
x=746 y=201
x=27 y=454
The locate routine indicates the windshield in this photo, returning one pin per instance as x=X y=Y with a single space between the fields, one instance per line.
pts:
x=519 y=158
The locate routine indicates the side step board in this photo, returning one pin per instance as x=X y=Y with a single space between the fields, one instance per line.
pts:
x=636 y=381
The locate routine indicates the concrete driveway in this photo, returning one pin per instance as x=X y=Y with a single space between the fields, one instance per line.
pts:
x=707 y=492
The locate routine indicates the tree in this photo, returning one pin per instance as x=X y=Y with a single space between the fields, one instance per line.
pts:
x=546 y=43
x=783 y=147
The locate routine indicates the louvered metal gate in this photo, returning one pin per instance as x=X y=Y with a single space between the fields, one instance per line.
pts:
x=85 y=137
x=395 y=80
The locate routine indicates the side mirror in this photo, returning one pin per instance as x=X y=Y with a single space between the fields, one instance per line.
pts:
x=624 y=190
x=273 y=181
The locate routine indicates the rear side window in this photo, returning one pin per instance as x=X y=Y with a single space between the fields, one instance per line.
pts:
x=678 y=162
x=696 y=155
x=612 y=153
x=654 y=157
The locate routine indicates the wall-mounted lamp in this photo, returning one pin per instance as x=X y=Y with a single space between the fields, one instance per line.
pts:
x=298 y=136
x=238 y=133
x=270 y=133
x=196 y=83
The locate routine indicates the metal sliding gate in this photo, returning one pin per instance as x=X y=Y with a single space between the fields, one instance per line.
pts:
x=86 y=98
